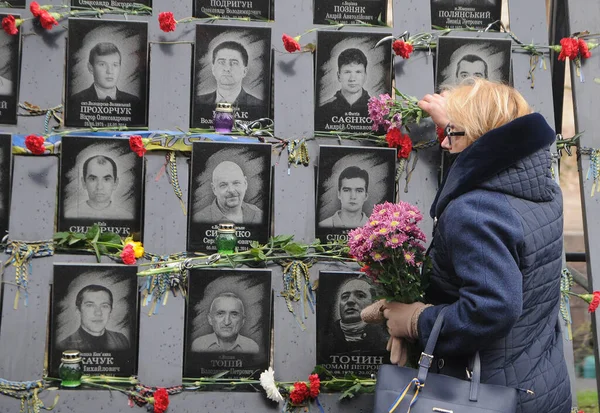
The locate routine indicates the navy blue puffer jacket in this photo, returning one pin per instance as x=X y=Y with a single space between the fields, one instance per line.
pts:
x=497 y=262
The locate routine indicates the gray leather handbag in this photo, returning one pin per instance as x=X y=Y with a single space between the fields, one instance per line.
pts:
x=403 y=389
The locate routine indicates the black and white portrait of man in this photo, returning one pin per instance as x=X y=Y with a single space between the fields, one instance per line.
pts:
x=351 y=181
x=460 y=59
x=350 y=69
x=10 y=62
x=236 y=9
x=100 y=181
x=456 y=14
x=232 y=65
x=109 y=3
x=340 y=330
x=350 y=12
x=229 y=183
x=227 y=321
x=5 y=182
x=94 y=310
x=106 y=73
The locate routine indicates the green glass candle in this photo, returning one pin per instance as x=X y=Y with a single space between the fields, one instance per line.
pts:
x=226 y=239
x=71 y=368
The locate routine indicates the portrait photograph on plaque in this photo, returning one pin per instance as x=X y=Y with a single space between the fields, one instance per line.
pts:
x=106 y=73
x=101 y=181
x=229 y=183
x=350 y=181
x=341 y=334
x=10 y=62
x=231 y=65
x=227 y=323
x=5 y=181
x=95 y=311
x=456 y=14
x=12 y=4
x=350 y=12
x=350 y=70
x=109 y=3
x=459 y=58
x=234 y=9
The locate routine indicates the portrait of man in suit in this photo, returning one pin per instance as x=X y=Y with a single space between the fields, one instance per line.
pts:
x=94 y=304
x=229 y=68
x=226 y=317
x=471 y=66
x=353 y=186
x=104 y=63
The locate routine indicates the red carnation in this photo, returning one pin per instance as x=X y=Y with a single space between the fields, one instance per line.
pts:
x=48 y=20
x=35 y=9
x=595 y=302
x=584 y=52
x=167 y=21
x=35 y=144
x=315 y=385
x=10 y=24
x=137 y=145
x=569 y=48
x=290 y=43
x=405 y=147
x=300 y=393
x=161 y=400
x=402 y=48
x=128 y=255
x=441 y=134
x=393 y=137
x=396 y=139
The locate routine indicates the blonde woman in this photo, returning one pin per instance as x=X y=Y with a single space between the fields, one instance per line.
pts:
x=496 y=251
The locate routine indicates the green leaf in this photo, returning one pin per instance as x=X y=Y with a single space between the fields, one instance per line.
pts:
x=351 y=392
x=76 y=237
x=283 y=239
x=61 y=235
x=254 y=245
x=109 y=237
x=92 y=232
x=294 y=248
x=95 y=246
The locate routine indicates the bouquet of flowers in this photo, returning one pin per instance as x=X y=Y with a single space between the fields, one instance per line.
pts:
x=390 y=247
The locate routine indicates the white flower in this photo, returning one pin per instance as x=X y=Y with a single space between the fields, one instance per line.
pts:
x=267 y=381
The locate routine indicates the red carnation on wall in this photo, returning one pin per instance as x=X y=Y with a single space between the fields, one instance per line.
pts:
x=137 y=145
x=35 y=144
x=290 y=43
x=584 y=51
x=402 y=48
x=441 y=135
x=396 y=139
x=299 y=393
x=48 y=20
x=35 y=9
x=10 y=24
x=569 y=48
x=167 y=21
x=315 y=385
x=595 y=302
x=128 y=255
x=161 y=400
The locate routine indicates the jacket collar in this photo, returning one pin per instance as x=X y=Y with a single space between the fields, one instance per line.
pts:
x=492 y=153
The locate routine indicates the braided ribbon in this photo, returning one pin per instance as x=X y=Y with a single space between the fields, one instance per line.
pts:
x=147 y=391
x=297 y=287
x=594 y=170
x=399 y=399
x=297 y=153
x=566 y=282
x=21 y=253
x=174 y=179
x=28 y=392
x=156 y=289
x=50 y=113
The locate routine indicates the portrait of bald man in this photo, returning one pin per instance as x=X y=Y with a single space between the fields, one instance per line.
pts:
x=229 y=185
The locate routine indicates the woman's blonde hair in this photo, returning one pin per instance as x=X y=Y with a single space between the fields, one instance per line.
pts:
x=479 y=106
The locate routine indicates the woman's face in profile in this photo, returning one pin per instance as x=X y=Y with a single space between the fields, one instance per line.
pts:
x=455 y=141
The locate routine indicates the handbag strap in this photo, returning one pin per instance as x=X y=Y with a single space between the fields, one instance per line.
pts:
x=427 y=357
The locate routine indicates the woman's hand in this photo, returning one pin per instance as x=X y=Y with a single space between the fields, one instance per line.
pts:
x=435 y=105
x=400 y=319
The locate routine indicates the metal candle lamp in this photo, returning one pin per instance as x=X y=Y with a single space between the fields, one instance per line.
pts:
x=226 y=239
x=71 y=368
x=223 y=118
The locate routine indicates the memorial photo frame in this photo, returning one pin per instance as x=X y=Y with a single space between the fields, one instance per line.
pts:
x=10 y=70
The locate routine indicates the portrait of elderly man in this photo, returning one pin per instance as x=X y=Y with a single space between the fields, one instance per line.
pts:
x=353 y=187
x=352 y=75
x=226 y=317
x=229 y=68
x=104 y=64
x=349 y=332
x=94 y=303
x=229 y=185
x=100 y=179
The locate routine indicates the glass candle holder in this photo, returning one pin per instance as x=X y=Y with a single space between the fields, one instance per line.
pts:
x=70 y=369
x=223 y=118
x=226 y=239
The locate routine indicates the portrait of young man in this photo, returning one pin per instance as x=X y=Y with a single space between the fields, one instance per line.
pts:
x=460 y=59
x=10 y=62
x=94 y=311
x=351 y=180
x=232 y=65
x=228 y=322
x=456 y=14
x=106 y=73
x=339 y=11
x=340 y=330
x=101 y=182
x=350 y=69
x=229 y=183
